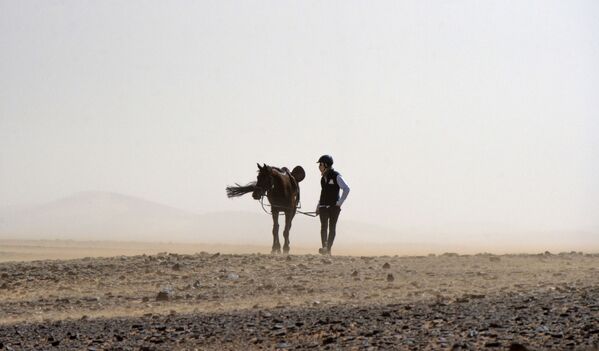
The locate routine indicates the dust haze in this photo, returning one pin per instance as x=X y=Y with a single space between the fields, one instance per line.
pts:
x=96 y=218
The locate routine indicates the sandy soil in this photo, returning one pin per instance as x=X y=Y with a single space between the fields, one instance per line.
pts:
x=209 y=300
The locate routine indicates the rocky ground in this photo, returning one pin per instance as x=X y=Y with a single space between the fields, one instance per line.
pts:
x=216 y=301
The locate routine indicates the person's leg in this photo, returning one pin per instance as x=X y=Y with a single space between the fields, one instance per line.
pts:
x=333 y=215
x=324 y=223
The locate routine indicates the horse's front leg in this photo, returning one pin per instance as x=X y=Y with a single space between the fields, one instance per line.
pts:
x=289 y=214
x=276 y=245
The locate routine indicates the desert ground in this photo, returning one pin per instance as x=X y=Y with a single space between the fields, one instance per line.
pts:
x=56 y=298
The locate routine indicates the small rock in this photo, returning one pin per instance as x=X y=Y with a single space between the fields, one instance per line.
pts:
x=354 y=274
x=232 y=276
x=164 y=295
x=386 y=265
x=329 y=340
x=177 y=267
x=390 y=277
x=541 y=329
x=517 y=347
x=492 y=344
x=475 y=296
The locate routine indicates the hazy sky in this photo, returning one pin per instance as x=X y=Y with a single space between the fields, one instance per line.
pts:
x=436 y=112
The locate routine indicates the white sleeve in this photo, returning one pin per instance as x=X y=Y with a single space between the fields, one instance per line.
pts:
x=344 y=187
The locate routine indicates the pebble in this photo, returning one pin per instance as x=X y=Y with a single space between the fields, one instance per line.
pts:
x=164 y=295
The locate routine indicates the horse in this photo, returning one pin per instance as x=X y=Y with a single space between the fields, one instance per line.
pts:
x=281 y=188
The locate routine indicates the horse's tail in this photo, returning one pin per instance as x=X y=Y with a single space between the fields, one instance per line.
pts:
x=239 y=190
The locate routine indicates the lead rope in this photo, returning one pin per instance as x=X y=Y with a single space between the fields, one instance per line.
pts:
x=309 y=214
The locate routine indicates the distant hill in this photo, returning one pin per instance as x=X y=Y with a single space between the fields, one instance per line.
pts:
x=111 y=216
x=98 y=216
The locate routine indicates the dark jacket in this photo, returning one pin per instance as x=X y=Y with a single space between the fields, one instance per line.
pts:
x=329 y=193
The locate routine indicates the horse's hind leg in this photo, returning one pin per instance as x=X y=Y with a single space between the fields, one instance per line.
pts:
x=276 y=245
x=288 y=218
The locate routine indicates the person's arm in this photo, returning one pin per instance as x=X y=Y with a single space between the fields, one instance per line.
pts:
x=344 y=187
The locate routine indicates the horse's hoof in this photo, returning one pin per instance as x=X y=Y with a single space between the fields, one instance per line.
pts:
x=275 y=252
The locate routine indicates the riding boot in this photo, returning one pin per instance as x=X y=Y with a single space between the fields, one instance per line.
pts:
x=329 y=245
x=324 y=226
x=334 y=215
x=324 y=239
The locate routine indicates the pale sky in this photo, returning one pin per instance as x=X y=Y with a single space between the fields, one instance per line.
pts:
x=436 y=112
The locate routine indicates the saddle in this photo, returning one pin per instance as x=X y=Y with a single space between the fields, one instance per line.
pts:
x=297 y=173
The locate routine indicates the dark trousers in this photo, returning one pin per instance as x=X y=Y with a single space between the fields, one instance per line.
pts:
x=328 y=220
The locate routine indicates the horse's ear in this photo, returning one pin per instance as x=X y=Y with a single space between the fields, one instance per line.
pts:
x=259 y=167
x=264 y=165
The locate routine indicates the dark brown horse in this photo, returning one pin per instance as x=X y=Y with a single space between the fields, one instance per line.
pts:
x=281 y=188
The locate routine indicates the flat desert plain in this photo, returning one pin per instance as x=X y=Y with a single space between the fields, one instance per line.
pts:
x=229 y=301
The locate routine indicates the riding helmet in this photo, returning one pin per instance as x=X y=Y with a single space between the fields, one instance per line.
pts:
x=326 y=159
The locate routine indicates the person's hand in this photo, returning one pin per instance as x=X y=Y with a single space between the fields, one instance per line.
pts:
x=317 y=211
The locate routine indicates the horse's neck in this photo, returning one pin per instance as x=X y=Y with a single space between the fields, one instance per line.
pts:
x=277 y=181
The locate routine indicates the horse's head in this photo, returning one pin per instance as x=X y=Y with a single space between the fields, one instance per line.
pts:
x=264 y=181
